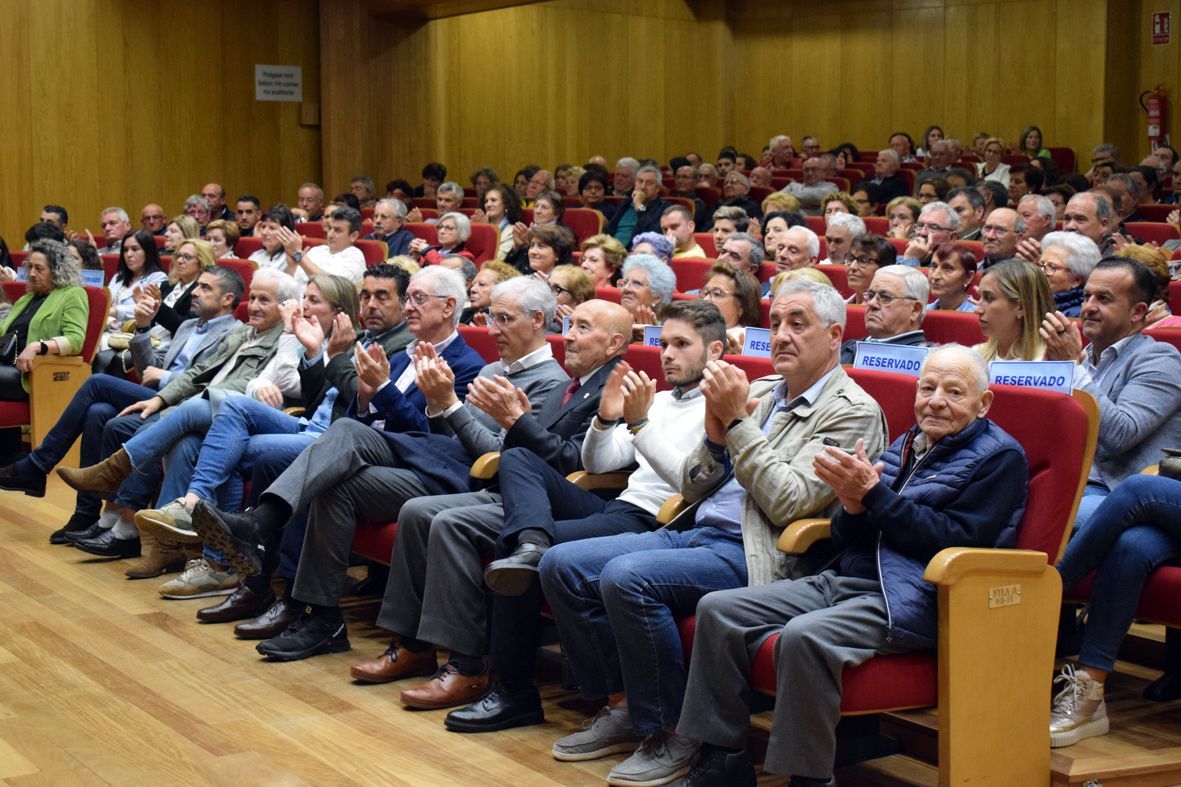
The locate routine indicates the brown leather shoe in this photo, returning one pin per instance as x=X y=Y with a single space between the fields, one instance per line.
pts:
x=447 y=689
x=241 y=604
x=160 y=557
x=396 y=663
x=272 y=623
x=103 y=478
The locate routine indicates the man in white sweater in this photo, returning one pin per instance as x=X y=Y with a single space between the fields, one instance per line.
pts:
x=635 y=425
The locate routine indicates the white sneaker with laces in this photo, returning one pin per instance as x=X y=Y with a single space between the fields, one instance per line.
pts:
x=661 y=758
x=200 y=580
x=609 y=732
x=1078 y=711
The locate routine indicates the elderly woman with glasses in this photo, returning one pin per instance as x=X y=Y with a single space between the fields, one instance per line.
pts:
x=647 y=284
x=866 y=254
x=452 y=231
x=1067 y=260
x=572 y=287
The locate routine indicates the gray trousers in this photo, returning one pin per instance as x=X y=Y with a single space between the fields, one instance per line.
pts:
x=831 y=623
x=436 y=589
x=346 y=474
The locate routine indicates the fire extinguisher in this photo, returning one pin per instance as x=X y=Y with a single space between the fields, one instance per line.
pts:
x=1157 y=107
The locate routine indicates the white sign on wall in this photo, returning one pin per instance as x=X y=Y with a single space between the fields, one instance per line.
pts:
x=278 y=83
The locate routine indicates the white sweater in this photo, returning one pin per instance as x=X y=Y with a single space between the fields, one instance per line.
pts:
x=674 y=430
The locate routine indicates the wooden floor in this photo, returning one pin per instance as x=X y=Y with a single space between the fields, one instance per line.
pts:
x=104 y=682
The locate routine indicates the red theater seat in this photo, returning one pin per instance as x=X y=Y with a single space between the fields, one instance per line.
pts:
x=692 y=272
x=244 y=268
x=942 y=327
x=1152 y=231
x=374 y=251
x=310 y=229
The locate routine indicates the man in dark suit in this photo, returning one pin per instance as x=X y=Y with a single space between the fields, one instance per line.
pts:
x=642 y=212
x=355 y=472
x=435 y=594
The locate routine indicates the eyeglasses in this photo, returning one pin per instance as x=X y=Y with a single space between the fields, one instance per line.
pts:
x=884 y=299
x=990 y=229
x=420 y=298
x=185 y=257
x=559 y=289
x=862 y=262
x=1050 y=268
x=635 y=284
x=929 y=227
x=715 y=294
x=446 y=227
x=503 y=319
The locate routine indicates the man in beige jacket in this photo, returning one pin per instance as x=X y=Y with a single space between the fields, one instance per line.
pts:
x=617 y=599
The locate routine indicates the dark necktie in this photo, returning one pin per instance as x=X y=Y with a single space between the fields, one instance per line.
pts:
x=571 y=389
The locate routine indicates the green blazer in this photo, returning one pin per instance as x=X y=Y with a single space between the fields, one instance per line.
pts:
x=62 y=318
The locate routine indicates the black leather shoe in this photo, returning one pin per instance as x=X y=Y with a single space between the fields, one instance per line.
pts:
x=512 y=575
x=76 y=524
x=310 y=635
x=499 y=709
x=23 y=477
x=237 y=536
x=106 y=545
x=243 y=603
x=714 y=767
x=74 y=536
x=278 y=616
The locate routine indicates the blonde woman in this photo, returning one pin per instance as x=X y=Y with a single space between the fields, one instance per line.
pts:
x=1014 y=299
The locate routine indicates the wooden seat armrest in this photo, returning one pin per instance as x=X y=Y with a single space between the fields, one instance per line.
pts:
x=294 y=411
x=673 y=506
x=1151 y=470
x=487 y=466
x=951 y=565
x=591 y=481
x=798 y=537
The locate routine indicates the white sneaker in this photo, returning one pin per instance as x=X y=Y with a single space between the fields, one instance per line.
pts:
x=609 y=732
x=1079 y=711
x=661 y=758
x=200 y=580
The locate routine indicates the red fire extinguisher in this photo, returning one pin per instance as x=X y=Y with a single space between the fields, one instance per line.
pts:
x=1157 y=107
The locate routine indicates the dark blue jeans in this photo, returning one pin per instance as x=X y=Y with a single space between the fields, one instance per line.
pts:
x=95 y=403
x=617 y=600
x=1135 y=530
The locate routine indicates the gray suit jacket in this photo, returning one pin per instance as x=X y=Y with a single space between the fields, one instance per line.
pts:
x=1139 y=408
x=143 y=354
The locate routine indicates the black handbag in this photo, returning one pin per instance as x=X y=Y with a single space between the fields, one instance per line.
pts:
x=1170 y=465
x=8 y=351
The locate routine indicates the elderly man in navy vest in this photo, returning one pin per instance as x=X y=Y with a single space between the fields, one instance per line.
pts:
x=971 y=492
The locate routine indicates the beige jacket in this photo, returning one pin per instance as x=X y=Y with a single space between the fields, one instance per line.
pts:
x=776 y=469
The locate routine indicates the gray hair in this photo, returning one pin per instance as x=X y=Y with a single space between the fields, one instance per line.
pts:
x=757 y=252
x=1082 y=255
x=827 y=303
x=1106 y=148
x=365 y=181
x=651 y=169
x=63 y=268
x=463 y=225
x=977 y=366
x=731 y=213
x=847 y=221
x=310 y=185
x=122 y=214
x=1104 y=210
x=396 y=205
x=286 y=287
x=466 y=267
x=445 y=282
x=953 y=218
x=450 y=187
x=1043 y=206
x=892 y=154
x=531 y=296
x=738 y=176
x=914 y=282
x=661 y=279
x=1129 y=181
x=940 y=143
x=812 y=238
x=629 y=162
x=775 y=140
x=194 y=200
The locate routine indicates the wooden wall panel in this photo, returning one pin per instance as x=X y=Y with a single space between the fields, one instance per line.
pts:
x=133 y=101
x=1159 y=64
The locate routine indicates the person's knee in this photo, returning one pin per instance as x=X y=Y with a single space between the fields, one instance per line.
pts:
x=798 y=635
x=626 y=579
x=712 y=609
x=557 y=569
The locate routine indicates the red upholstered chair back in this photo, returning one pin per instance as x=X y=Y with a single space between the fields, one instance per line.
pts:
x=692 y=272
x=160 y=241
x=647 y=359
x=1155 y=212
x=428 y=213
x=877 y=225
x=244 y=268
x=754 y=367
x=310 y=229
x=1168 y=335
x=942 y=327
x=366 y=213
x=242 y=312
x=1153 y=231
x=706 y=241
x=110 y=266
x=839 y=276
x=558 y=346
x=247 y=246
x=1063 y=158
x=99 y=301
x=607 y=294
x=817 y=225
x=423 y=230
x=583 y=222
x=1175 y=297
x=855 y=322
x=481 y=341
x=483 y=242
x=374 y=252
x=18 y=258
x=894 y=393
x=1058 y=434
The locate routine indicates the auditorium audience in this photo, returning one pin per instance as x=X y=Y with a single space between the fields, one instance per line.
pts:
x=453 y=231
x=247 y=212
x=873 y=598
x=938 y=223
x=222 y=235
x=1067 y=259
x=895 y=304
x=115 y=226
x=736 y=294
x=867 y=254
x=646 y=284
x=903 y=214
x=839 y=232
x=491 y=273
x=179 y=229
x=501 y=209
x=389 y=218
x=655 y=244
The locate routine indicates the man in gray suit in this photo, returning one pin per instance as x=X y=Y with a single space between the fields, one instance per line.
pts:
x=1135 y=380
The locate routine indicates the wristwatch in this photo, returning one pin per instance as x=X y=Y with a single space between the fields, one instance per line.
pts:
x=44 y=348
x=297 y=256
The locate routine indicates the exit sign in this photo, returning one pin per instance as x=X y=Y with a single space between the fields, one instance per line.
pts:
x=1161 y=27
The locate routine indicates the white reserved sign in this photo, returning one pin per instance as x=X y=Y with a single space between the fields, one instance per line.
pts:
x=886 y=357
x=278 y=83
x=565 y=325
x=651 y=335
x=756 y=343
x=1047 y=375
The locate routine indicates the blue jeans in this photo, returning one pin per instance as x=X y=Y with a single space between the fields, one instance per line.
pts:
x=148 y=446
x=99 y=398
x=617 y=600
x=1093 y=495
x=1135 y=530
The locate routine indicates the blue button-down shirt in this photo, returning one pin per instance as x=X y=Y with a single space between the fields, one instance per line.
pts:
x=184 y=358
